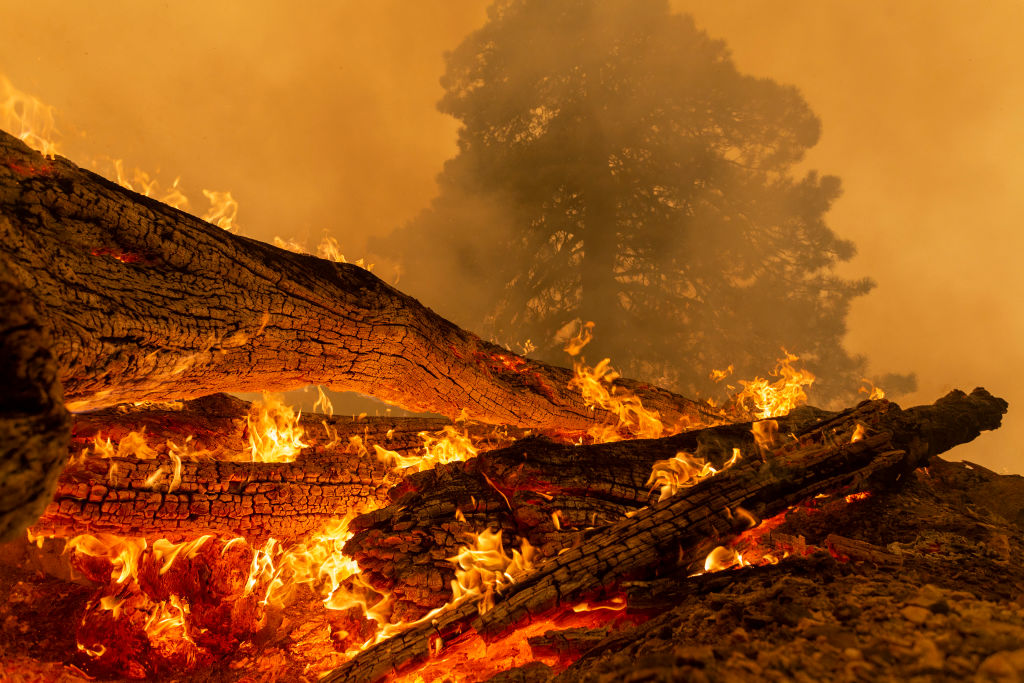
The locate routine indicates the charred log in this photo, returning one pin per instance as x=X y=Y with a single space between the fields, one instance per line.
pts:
x=145 y=302
x=160 y=498
x=548 y=493
x=329 y=479
x=822 y=458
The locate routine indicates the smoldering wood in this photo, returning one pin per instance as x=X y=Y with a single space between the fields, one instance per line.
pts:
x=547 y=493
x=228 y=499
x=822 y=458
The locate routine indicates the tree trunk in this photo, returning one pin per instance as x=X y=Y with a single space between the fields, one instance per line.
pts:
x=822 y=459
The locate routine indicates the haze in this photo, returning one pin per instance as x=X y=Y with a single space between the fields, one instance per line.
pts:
x=320 y=118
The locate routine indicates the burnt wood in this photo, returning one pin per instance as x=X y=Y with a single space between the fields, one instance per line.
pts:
x=820 y=459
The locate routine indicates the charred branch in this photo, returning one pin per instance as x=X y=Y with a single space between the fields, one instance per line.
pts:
x=822 y=458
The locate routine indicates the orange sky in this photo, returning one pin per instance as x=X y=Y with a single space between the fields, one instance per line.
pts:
x=320 y=117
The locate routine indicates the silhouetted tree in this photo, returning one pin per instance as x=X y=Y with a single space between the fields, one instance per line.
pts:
x=614 y=166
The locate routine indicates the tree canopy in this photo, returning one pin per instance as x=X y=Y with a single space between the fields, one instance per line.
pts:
x=614 y=166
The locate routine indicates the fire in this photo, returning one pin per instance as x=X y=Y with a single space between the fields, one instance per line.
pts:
x=275 y=434
x=719 y=375
x=775 y=399
x=27 y=118
x=122 y=553
x=596 y=386
x=319 y=563
x=141 y=182
x=168 y=621
x=858 y=433
x=873 y=393
x=765 y=432
x=328 y=249
x=223 y=211
x=683 y=471
x=131 y=445
x=439 y=448
x=723 y=558
x=484 y=568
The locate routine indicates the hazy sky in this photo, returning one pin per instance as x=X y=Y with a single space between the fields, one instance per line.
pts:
x=319 y=116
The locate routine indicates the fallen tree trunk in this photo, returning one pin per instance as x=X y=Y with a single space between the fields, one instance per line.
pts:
x=145 y=302
x=823 y=458
x=34 y=423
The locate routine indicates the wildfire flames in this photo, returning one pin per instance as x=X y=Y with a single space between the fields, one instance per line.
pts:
x=162 y=608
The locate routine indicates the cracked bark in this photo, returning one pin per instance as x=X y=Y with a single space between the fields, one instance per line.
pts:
x=33 y=421
x=521 y=489
x=329 y=479
x=821 y=459
x=146 y=302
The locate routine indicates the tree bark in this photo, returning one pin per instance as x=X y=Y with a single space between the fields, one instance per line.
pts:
x=823 y=458
x=550 y=494
x=227 y=499
x=145 y=302
x=34 y=424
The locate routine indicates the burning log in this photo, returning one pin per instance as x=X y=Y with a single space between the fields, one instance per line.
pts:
x=157 y=498
x=550 y=494
x=145 y=302
x=825 y=457
x=336 y=473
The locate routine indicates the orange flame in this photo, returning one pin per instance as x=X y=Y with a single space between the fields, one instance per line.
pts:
x=775 y=399
x=485 y=568
x=27 y=118
x=873 y=393
x=275 y=434
x=223 y=211
x=439 y=448
x=683 y=471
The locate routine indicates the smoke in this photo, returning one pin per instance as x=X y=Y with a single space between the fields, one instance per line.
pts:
x=922 y=114
x=321 y=118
